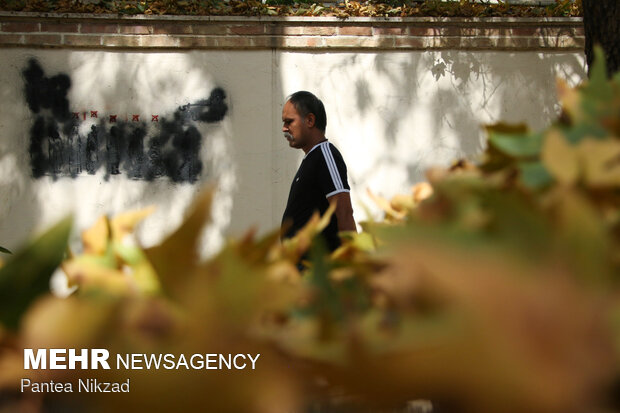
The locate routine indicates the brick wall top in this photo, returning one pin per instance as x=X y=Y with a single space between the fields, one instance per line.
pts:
x=329 y=33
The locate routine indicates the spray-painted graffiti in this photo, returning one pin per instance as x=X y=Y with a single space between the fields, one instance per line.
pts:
x=57 y=148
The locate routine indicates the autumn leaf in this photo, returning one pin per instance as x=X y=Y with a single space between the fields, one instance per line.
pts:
x=26 y=275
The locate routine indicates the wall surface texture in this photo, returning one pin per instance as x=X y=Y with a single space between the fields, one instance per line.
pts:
x=104 y=114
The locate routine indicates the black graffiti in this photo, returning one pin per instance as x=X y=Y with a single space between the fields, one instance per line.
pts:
x=172 y=149
x=47 y=93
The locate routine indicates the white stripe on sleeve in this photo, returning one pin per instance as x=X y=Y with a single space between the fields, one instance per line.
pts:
x=331 y=165
x=336 y=192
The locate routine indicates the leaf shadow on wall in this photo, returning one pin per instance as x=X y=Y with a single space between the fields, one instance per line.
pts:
x=442 y=99
x=19 y=202
x=19 y=206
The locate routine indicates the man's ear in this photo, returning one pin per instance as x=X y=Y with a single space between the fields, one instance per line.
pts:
x=310 y=120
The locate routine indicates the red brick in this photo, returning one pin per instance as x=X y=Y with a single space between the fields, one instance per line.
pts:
x=496 y=43
x=436 y=31
x=563 y=31
x=11 y=39
x=60 y=27
x=377 y=42
x=133 y=29
x=423 y=31
x=247 y=30
x=341 y=42
x=172 y=29
x=121 y=41
x=526 y=31
x=475 y=42
x=487 y=32
x=319 y=31
x=263 y=42
x=389 y=31
x=457 y=42
x=471 y=31
x=81 y=40
x=451 y=31
x=355 y=31
x=191 y=42
x=234 y=42
x=286 y=30
x=20 y=27
x=42 y=39
x=577 y=43
x=210 y=29
x=290 y=34
x=299 y=42
x=98 y=28
x=410 y=42
x=160 y=41
x=180 y=41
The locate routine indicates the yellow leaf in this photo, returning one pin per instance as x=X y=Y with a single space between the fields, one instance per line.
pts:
x=125 y=223
x=89 y=275
x=570 y=99
x=582 y=234
x=421 y=191
x=284 y=271
x=560 y=158
x=138 y=267
x=601 y=161
x=402 y=203
x=70 y=322
x=295 y=247
x=327 y=216
x=386 y=206
x=96 y=238
x=176 y=258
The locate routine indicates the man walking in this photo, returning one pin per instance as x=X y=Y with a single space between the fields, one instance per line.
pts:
x=322 y=176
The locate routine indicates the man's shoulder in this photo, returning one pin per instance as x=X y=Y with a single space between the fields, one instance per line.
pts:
x=324 y=154
x=323 y=149
x=333 y=152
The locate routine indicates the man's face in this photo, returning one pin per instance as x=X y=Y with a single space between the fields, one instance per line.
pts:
x=294 y=126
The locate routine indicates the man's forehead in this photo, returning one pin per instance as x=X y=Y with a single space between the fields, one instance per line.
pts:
x=289 y=110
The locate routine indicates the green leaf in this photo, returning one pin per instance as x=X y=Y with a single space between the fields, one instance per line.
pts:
x=27 y=274
x=616 y=78
x=578 y=132
x=4 y=250
x=517 y=146
x=598 y=74
x=534 y=175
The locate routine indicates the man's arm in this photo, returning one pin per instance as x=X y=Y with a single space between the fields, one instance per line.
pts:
x=344 y=211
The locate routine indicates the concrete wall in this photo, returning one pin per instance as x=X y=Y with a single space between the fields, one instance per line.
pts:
x=392 y=113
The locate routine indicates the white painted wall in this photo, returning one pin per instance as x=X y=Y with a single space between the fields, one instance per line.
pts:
x=391 y=114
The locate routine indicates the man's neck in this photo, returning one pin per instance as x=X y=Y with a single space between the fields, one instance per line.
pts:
x=315 y=141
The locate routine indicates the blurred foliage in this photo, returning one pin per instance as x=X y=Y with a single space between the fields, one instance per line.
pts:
x=372 y=8
x=26 y=275
x=494 y=287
